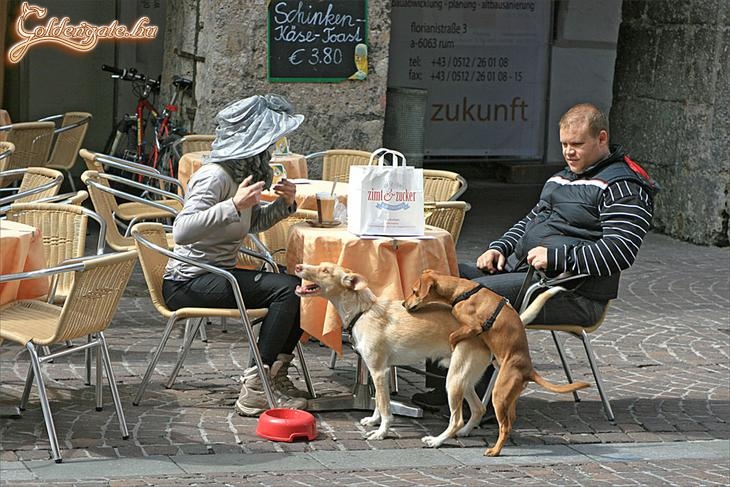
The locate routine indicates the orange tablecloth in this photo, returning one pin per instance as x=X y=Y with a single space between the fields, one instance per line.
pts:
x=295 y=165
x=21 y=250
x=391 y=266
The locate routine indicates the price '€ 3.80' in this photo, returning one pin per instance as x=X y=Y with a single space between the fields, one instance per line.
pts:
x=315 y=55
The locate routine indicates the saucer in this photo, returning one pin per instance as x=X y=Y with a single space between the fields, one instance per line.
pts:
x=317 y=224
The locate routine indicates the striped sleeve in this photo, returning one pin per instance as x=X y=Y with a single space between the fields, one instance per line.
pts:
x=506 y=244
x=625 y=214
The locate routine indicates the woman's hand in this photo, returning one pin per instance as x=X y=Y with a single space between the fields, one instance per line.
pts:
x=287 y=190
x=247 y=194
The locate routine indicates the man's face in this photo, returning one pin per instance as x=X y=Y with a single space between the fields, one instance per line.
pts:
x=581 y=149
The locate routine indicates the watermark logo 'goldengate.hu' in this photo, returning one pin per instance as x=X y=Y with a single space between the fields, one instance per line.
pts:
x=82 y=37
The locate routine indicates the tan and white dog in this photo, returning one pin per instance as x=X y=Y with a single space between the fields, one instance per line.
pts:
x=385 y=334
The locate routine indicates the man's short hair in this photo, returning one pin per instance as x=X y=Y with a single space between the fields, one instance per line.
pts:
x=585 y=113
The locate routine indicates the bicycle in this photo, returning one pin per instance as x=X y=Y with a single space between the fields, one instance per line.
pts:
x=128 y=141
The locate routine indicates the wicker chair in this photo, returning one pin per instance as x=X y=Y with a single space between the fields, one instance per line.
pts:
x=137 y=208
x=448 y=215
x=98 y=285
x=38 y=183
x=580 y=332
x=32 y=142
x=69 y=137
x=102 y=195
x=336 y=162
x=275 y=238
x=442 y=185
x=6 y=150
x=150 y=240
x=195 y=143
x=63 y=229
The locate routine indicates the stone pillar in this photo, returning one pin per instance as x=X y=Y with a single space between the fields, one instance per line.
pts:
x=232 y=40
x=671 y=109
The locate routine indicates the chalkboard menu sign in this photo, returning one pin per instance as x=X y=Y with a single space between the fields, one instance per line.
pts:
x=318 y=40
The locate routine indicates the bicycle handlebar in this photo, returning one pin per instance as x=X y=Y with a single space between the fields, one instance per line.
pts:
x=130 y=74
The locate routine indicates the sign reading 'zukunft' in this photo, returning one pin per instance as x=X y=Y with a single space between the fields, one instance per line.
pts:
x=317 y=40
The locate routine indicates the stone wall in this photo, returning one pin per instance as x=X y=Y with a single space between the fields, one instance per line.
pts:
x=231 y=52
x=671 y=109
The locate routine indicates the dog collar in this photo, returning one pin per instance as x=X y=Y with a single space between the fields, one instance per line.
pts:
x=352 y=322
x=468 y=294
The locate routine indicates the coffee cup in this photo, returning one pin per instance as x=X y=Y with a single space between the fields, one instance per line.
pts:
x=325 y=207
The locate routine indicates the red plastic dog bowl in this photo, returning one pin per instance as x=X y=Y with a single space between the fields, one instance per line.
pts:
x=286 y=425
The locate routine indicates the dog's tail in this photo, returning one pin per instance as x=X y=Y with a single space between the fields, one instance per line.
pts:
x=531 y=312
x=546 y=384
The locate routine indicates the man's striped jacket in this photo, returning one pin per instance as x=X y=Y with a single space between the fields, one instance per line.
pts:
x=591 y=223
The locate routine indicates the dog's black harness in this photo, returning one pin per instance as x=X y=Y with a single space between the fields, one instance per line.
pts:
x=351 y=325
x=489 y=321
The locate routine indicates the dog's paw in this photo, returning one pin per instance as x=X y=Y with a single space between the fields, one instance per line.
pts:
x=431 y=441
x=376 y=435
x=492 y=452
x=370 y=421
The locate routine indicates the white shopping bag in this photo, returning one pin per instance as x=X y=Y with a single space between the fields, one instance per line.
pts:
x=385 y=200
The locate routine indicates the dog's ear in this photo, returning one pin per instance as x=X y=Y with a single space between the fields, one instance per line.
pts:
x=354 y=281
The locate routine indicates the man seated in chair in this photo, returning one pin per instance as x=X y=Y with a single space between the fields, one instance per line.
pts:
x=591 y=219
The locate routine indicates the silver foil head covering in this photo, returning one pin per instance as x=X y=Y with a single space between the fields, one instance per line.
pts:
x=250 y=126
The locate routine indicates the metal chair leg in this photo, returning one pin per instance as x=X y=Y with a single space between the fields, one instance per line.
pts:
x=87 y=361
x=566 y=367
x=203 y=333
x=305 y=371
x=103 y=350
x=155 y=358
x=99 y=392
x=26 y=389
x=184 y=353
x=394 y=379
x=45 y=406
x=333 y=359
x=224 y=325
x=597 y=375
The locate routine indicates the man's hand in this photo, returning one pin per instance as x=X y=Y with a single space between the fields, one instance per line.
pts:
x=247 y=194
x=287 y=190
x=538 y=258
x=491 y=261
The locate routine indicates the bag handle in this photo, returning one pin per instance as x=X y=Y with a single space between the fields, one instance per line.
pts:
x=382 y=152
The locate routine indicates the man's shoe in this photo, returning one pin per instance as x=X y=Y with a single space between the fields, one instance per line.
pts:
x=431 y=400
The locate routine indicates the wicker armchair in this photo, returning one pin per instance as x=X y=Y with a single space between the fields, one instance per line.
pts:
x=275 y=238
x=69 y=137
x=195 y=143
x=102 y=195
x=98 y=285
x=150 y=241
x=442 y=185
x=448 y=215
x=38 y=183
x=63 y=229
x=561 y=284
x=32 y=142
x=336 y=162
x=6 y=150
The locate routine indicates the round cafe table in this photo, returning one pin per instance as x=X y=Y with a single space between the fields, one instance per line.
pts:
x=294 y=164
x=390 y=264
x=22 y=251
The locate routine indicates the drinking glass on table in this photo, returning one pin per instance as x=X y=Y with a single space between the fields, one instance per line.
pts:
x=325 y=207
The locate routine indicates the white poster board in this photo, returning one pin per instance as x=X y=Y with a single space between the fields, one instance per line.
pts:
x=485 y=66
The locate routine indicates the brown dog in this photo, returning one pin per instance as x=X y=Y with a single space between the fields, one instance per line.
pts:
x=505 y=338
x=385 y=334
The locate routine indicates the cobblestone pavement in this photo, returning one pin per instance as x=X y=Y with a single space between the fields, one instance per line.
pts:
x=663 y=352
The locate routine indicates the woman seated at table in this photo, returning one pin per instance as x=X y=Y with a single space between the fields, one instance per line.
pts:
x=221 y=207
